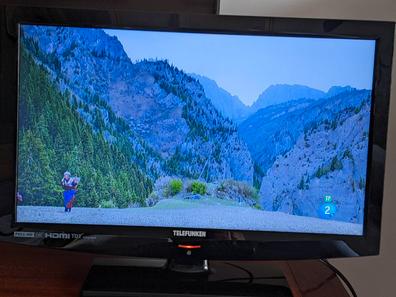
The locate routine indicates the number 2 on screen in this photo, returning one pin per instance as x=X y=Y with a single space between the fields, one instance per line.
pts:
x=327 y=210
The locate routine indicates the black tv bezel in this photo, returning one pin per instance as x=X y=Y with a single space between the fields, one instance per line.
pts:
x=115 y=229
x=381 y=32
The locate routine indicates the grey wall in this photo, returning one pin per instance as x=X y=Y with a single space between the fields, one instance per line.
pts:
x=336 y=9
x=371 y=276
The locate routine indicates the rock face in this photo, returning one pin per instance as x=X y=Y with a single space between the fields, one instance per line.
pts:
x=88 y=60
x=273 y=130
x=281 y=125
x=171 y=125
x=327 y=158
x=171 y=111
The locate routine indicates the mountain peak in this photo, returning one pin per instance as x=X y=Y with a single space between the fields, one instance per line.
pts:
x=335 y=90
x=280 y=93
x=88 y=41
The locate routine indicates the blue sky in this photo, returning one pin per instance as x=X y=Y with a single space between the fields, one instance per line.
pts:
x=246 y=65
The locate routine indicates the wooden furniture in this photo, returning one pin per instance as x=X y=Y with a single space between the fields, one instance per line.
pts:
x=28 y=271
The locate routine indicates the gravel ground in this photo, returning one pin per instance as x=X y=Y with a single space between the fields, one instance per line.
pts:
x=196 y=216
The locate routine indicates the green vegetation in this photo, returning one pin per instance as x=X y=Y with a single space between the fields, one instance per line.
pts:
x=174 y=187
x=258 y=175
x=347 y=154
x=48 y=58
x=191 y=110
x=303 y=184
x=231 y=187
x=334 y=165
x=197 y=187
x=362 y=183
x=204 y=121
x=360 y=107
x=54 y=138
x=107 y=204
x=321 y=171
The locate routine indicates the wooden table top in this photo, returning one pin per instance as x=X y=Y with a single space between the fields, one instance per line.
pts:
x=31 y=271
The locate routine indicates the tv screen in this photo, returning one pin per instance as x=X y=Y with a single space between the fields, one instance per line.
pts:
x=193 y=130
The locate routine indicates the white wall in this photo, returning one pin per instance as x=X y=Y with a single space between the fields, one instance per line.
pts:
x=338 y=9
x=371 y=276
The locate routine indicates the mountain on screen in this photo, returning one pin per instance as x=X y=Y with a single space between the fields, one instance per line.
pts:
x=281 y=154
x=230 y=106
x=166 y=109
x=335 y=90
x=311 y=146
x=327 y=158
x=281 y=125
x=277 y=94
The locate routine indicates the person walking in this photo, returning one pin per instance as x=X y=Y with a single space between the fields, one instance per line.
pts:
x=69 y=186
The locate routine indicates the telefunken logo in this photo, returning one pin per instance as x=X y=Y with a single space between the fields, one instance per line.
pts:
x=189 y=233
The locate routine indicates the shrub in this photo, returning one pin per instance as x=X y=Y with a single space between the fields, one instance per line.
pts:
x=304 y=183
x=240 y=188
x=347 y=154
x=174 y=187
x=336 y=164
x=152 y=199
x=107 y=204
x=301 y=185
x=197 y=187
x=248 y=191
x=321 y=171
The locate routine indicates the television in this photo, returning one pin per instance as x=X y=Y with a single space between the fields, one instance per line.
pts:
x=250 y=138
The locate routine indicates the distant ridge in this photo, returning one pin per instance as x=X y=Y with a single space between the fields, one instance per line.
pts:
x=230 y=106
x=336 y=90
x=280 y=93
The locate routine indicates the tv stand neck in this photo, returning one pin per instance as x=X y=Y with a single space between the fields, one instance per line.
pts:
x=190 y=266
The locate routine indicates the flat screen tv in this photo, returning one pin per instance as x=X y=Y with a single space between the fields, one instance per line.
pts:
x=257 y=138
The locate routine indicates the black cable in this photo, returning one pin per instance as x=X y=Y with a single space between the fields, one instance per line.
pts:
x=340 y=275
x=250 y=274
x=248 y=278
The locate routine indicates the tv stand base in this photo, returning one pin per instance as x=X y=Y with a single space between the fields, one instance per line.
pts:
x=157 y=277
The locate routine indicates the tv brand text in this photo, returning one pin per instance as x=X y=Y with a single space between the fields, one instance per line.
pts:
x=189 y=233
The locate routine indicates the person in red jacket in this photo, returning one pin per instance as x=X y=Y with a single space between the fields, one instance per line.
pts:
x=69 y=185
